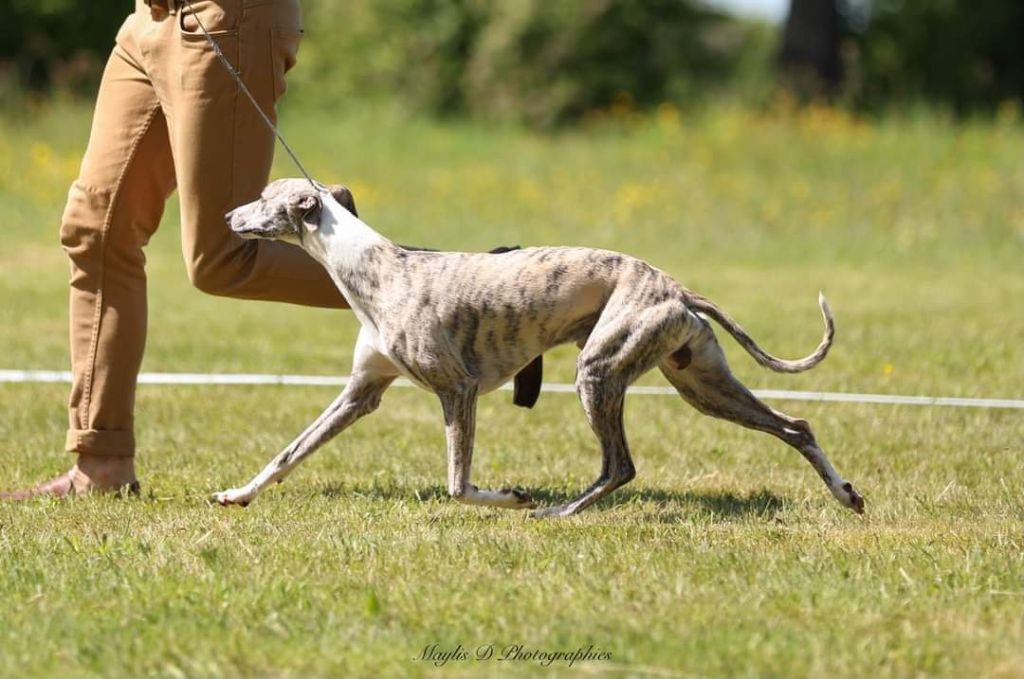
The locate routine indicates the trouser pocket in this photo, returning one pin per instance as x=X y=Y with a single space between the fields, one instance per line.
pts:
x=284 y=43
x=218 y=18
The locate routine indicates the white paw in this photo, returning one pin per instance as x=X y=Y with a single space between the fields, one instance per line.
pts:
x=235 y=496
x=517 y=499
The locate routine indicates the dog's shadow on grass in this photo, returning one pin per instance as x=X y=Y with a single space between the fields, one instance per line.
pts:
x=678 y=506
x=665 y=506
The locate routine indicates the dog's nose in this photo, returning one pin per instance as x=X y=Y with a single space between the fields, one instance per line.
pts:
x=227 y=216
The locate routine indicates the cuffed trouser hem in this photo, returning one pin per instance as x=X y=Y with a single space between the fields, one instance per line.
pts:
x=95 y=442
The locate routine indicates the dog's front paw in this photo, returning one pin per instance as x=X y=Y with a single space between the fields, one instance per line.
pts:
x=518 y=499
x=235 y=496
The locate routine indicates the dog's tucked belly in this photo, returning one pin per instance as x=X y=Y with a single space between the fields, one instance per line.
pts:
x=442 y=350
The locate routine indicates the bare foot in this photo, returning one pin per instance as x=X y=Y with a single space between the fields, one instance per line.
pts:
x=91 y=474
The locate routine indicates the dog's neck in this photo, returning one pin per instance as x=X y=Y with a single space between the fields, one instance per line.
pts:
x=354 y=255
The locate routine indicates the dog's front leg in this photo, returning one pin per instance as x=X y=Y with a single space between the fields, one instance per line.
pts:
x=459 y=405
x=361 y=396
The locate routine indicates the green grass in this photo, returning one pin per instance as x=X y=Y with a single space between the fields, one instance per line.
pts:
x=726 y=557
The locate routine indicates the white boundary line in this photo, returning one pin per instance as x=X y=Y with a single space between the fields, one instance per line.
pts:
x=36 y=376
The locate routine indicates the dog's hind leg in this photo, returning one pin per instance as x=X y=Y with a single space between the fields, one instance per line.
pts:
x=621 y=347
x=700 y=374
x=459 y=405
x=371 y=376
x=603 y=402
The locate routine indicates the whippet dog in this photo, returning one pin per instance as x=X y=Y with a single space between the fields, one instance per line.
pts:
x=462 y=324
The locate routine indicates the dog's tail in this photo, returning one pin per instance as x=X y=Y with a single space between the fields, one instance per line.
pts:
x=779 y=365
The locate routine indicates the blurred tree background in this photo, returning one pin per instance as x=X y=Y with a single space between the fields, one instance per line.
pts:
x=967 y=55
x=56 y=44
x=548 y=63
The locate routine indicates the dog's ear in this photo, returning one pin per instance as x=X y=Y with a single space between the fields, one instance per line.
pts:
x=310 y=207
x=344 y=198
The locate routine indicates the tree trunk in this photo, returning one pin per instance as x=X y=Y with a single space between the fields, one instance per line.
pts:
x=809 y=57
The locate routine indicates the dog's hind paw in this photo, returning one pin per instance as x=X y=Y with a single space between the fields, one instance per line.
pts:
x=232 y=497
x=849 y=497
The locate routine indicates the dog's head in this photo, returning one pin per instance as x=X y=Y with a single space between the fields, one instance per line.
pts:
x=286 y=210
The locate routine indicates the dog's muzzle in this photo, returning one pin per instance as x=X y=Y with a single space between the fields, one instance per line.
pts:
x=239 y=227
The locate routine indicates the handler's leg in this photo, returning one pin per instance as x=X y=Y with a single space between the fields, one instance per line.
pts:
x=112 y=209
x=164 y=92
x=223 y=149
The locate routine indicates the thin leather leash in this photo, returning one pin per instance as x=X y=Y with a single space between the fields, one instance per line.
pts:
x=241 y=85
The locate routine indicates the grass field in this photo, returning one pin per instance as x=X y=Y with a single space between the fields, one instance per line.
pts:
x=726 y=556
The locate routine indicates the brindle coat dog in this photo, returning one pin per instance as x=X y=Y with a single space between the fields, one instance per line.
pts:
x=461 y=324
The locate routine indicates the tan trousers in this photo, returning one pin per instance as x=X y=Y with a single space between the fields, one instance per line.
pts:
x=169 y=115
